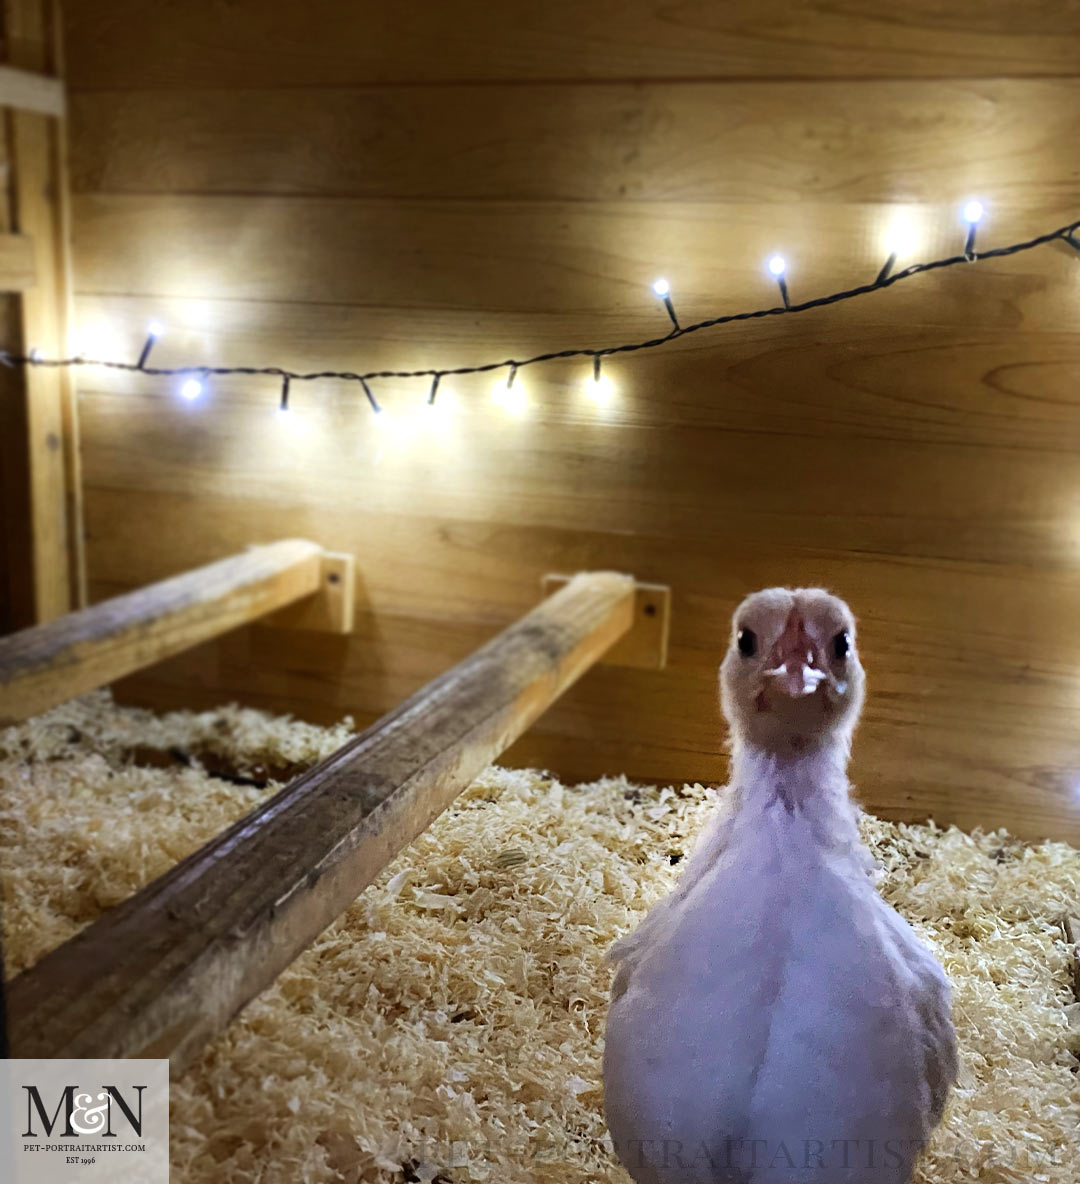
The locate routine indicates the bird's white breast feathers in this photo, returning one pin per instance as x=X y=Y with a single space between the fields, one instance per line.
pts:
x=777 y=999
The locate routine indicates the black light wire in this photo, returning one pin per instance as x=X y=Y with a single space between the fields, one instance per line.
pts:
x=885 y=279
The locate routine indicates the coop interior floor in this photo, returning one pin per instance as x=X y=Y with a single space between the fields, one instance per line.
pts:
x=449 y=1026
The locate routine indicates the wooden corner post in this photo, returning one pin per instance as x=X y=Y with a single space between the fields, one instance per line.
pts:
x=164 y=971
x=42 y=570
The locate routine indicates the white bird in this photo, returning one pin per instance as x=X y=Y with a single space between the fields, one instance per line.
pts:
x=773 y=1020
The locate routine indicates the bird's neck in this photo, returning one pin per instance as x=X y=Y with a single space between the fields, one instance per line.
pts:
x=811 y=789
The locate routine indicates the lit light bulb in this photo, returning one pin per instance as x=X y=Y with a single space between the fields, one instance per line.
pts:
x=389 y=424
x=900 y=238
x=155 y=329
x=600 y=389
x=438 y=422
x=973 y=212
x=191 y=389
x=512 y=399
x=777 y=267
x=100 y=339
x=663 y=289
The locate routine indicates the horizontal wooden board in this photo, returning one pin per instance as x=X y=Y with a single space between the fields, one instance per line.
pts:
x=579 y=257
x=867 y=492
x=488 y=572
x=114 y=44
x=870 y=141
x=964 y=357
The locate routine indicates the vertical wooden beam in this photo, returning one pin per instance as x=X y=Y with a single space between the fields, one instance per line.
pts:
x=165 y=970
x=47 y=558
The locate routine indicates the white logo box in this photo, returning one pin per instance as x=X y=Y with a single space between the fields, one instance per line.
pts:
x=84 y=1122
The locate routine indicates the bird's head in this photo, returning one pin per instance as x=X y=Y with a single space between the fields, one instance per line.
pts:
x=791 y=682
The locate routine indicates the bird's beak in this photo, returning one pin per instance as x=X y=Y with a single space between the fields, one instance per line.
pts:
x=793 y=666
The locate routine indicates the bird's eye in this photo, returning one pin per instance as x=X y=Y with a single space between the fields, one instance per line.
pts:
x=841 y=643
x=747 y=641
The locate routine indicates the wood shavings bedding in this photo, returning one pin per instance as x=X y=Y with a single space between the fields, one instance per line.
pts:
x=449 y=1027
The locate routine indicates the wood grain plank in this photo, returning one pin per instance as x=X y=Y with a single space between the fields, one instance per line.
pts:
x=929 y=141
x=928 y=623
x=204 y=43
x=580 y=257
x=886 y=496
x=171 y=966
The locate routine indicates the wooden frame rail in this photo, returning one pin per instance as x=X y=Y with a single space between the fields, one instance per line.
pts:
x=48 y=664
x=161 y=973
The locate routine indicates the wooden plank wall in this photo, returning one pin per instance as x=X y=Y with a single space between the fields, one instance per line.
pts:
x=304 y=185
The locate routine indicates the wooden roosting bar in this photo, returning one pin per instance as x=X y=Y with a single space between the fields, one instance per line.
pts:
x=161 y=973
x=45 y=665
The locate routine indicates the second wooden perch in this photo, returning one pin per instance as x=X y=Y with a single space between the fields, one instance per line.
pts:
x=51 y=663
x=161 y=973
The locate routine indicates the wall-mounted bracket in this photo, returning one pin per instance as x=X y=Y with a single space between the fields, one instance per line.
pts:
x=645 y=646
x=332 y=609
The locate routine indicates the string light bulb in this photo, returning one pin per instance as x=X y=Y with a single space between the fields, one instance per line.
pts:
x=283 y=406
x=435 y=378
x=191 y=389
x=153 y=331
x=886 y=267
x=973 y=212
x=599 y=387
x=778 y=268
x=510 y=395
x=662 y=289
x=370 y=397
x=899 y=239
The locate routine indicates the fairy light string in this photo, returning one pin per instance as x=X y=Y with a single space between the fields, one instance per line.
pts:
x=198 y=375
